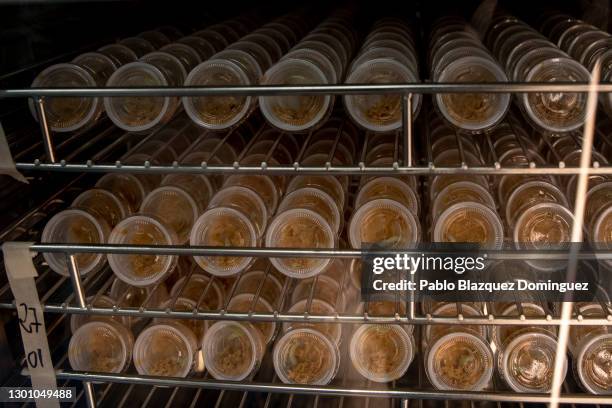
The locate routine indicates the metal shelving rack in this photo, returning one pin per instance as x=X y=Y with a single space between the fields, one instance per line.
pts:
x=55 y=302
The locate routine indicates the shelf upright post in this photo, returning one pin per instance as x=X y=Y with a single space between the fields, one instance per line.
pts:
x=407 y=128
x=44 y=127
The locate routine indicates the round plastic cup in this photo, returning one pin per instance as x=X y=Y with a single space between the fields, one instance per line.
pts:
x=126 y=187
x=135 y=296
x=223 y=226
x=501 y=334
x=175 y=206
x=597 y=198
x=99 y=65
x=139 y=46
x=185 y=54
x=460 y=192
x=232 y=350
x=74 y=226
x=321 y=160
x=263 y=185
x=326 y=289
x=530 y=193
x=198 y=186
x=250 y=281
x=67 y=114
x=103 y=347
x=295 y=113
x=200 y=45
x=459 y=361
x=102 y=204
x=195 y=288
x=527 y=362
x=601 y=230
x=156 y=38
x=305 y=356
x=581 y=334
x=165 y=349
x=245 y=200
x=120 y=54
x=182 y=304
x=217 y=40
x=380 y=113
x=280 y=153
x=316 y=57
x=325 y=49
x=78 y=320
x=256 y=160
x=316 y=200
x=384 y=222
x=449 y=142
x=247 y=63
x=388 y=188
x=317 y=307
x=381 y=353
x=300 y=228
x=141 y=269
x=469 y=222
x=556 y=112
x=341 y=153
x=434 y=332
x=243 y=303
x=217 y=112
x=592 y=364
x=330 y=185
x=544 y=226
x=256 y=51
x=267 y=42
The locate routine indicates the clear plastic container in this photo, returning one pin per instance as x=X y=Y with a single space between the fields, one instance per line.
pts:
x=295 y=113
x=341 y=153
x=103 y=347
x=100 y=66
x=244 y=303
x=139 y=46
x=78 y=320
x=245 y=200
x=300 y=228
x=381 y=353
x=384 y=222
x=330 y=185
x=530 y=193
x=175 y=206
x=526 y=362
x=380 y=113
x=306 y=356
x=263 y=185
x=182 y=304
x=256 y=51
x=232 y=350
x=544 y=226
x=442 y=309
x=135 y=296
x=469 y=222
x=502 y=334
x=580 y=334
x=185 y=54
x=601 y=232
x=223 y=226
x=141 y=269
x=156 y=38
x=459 y=361
x=388 y=188
x=74 y=226
x=597 y=198
x=196 y=287
x=326 y=289
x=316 y=200
x=217 y=40
x=317 y=307
x=593 y=364
x=165 y=349
x=198 y=186
x=102 y=204
x=271 y=286
x=126 y=187
x=460 y=192
x=120 y=54
x=200 y=45
x=67 y=114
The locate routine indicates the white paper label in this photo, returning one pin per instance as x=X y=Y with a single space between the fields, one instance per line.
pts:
x=7 y=165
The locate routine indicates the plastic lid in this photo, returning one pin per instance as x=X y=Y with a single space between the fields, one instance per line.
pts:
x=593 y=362
x=384 y=222
x=501 y=334
x=245 y=200
x=326 y=289
x=198 y=186
x=182 y=304
x=99 y=65
x=434 y=332
x=330 y=185
x=204 y=49
x=263 y=185
x=527 y=362
x=232 y=350
x=102 y=204
x=601 y=231
x=120 y=54
x=140 y=46
x=100 y=347
x=77 y=227
x=317 y=58
x=217 y=40
x=78 y=320
x=245 y=61
x=175 y=206
x=314 y=199
x=244 y=303
x=389 y=188
x=460 y=192
x=300 y=112
x=530 y=193
x=137 y=114
x=223 y=226
x=166 y=349
x=300 y=228
x=196 y=287
x=140 y=269
x=173 y=69
x=67 y=114
x=317 y=307
x=156 y=38
x=126 y=187
x=188 y=56
x=305 y=356
x=470 y=222
x=597 y=198
x=267 y=42
x=256 y=51
x=381 y=353
x=250 y=281
x=460 y=361
x=556 y=112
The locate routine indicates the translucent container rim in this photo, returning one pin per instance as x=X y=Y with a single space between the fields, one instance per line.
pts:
x=297 y=306
x=134 y=179
x=284 y=205
x=126 y=347
x=510 y=218
x=402 y=186
x=484 y=193
x=77 y=201
x=171 y=189
x=237 y=297
x=337 y=186
x=490 y=214
x=534 y=208
x=584 y=348
x=217 y=199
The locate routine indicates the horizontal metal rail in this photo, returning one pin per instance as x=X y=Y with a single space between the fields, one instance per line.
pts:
x=330 y=390
x=315 y=318
x=119 y=167
x=339 y=89
x=548 y=254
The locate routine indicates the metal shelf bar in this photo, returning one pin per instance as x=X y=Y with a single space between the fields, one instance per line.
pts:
x=339 y=89
x=119 y=167
x=330 y=390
